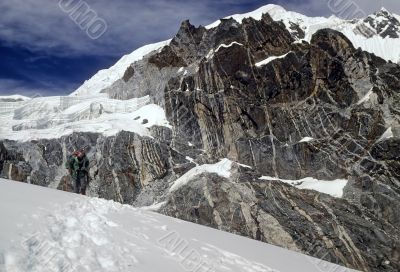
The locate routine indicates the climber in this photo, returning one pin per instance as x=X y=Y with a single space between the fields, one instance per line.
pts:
x=78 y=167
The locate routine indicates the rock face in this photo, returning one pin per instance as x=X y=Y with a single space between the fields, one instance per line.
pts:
x=120 y=166
x=387 y=25
x=249 y=93
x=317 y=224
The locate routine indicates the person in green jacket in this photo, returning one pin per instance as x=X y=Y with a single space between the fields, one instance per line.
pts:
x=78 y=168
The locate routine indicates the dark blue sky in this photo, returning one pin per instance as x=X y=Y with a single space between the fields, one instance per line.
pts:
x=43 y=51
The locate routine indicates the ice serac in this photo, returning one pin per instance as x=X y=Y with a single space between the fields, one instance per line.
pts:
x=13 y=98
x=324 y=118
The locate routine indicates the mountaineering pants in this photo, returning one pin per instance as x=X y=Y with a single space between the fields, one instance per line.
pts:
x=80 y=184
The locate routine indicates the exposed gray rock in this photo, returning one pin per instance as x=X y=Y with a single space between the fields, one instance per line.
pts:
x=120 y=166
x=342 y=98
x=316 y=224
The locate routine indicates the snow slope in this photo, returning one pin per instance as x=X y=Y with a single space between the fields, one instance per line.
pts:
x=386 y=48
x=45 y=230
x=105 y=78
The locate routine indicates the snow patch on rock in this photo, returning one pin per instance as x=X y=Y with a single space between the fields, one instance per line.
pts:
x=306 y=139
x=222 y=168
x=386 y=135
x=269 y=59
x=366 y=97
x=330 y=187
x=227 y=45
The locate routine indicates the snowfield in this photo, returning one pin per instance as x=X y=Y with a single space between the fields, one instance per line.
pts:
x=387 y=134
x=45 y=230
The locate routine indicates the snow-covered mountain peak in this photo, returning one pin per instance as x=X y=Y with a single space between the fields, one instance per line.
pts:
x=256 y=14
x=278 y=13
x=378 y=33
x=384 y=11
x=384 y=24
x=105 y=78
x=369 y=33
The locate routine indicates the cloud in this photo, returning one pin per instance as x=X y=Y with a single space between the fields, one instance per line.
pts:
x=60 y=55
x=41 y=25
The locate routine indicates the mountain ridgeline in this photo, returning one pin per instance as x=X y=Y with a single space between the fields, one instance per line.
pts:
x=276 y=106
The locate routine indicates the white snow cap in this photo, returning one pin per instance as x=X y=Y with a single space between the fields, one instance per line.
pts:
x=385 y=48
x=105 y=78
x=256 y=14
x=384 y=10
